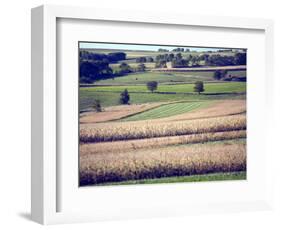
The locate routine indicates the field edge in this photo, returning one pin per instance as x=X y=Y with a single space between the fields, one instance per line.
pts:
x=230 y=176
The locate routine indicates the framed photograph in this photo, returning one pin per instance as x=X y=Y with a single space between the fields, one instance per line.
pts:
x=143 y=114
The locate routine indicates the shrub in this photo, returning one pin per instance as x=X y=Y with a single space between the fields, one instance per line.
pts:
x=152 y=85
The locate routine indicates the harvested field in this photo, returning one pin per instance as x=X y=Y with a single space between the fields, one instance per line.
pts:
x=217 y=109
x=115 y=112
x=163 y=162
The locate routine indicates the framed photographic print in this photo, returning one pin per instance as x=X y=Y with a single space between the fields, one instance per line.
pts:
x=140 y=114
x=159 y=114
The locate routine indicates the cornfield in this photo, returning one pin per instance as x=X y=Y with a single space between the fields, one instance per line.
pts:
x=162 y=162
x=208 y=140
x=150 y=143
x=116 y=131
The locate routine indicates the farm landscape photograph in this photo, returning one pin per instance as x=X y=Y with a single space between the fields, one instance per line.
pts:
x=161 y=114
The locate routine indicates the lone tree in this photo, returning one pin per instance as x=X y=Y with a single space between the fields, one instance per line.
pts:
x=217 y=75
x=152 y=85
x=199 y=87
x=97 y=106
x=124 y=97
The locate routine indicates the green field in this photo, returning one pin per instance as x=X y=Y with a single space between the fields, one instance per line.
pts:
x=109 y=95
x=223 y=87
x=112 y=98
x=167 y=78
x=166 y=111
x=197 y=178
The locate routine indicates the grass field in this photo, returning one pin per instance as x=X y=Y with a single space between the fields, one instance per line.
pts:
x=166 y=78
x=142 y=78
x=166 y=111
x=197 y=178
x=109 y=95
x=112 y=98
x=222 y=87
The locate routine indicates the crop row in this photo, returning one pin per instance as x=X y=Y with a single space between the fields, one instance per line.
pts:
x=116 y=131
x=151 y=143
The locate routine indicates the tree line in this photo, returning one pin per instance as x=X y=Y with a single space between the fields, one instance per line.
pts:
x=110 y=57
x=144 y=59
x=95 y=66
x=179 y=61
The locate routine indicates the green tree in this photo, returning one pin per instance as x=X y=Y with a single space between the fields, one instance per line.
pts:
x=152 y=85
x=217 y=75
x=199 y=87
x=240 y=58
x=124 y=97
x=97 y=106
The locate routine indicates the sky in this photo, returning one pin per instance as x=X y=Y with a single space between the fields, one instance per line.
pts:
x=93 y=45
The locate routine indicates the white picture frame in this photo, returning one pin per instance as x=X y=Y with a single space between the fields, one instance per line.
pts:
x=45 y=182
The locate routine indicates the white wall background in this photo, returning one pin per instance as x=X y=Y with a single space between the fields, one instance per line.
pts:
x=15 y=113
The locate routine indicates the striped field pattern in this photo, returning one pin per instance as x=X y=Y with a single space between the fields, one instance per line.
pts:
x=166 y=111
